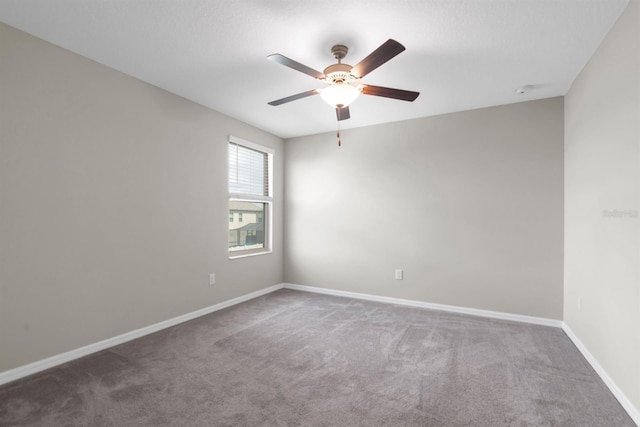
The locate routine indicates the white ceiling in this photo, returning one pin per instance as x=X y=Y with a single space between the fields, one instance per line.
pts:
x=461 y=54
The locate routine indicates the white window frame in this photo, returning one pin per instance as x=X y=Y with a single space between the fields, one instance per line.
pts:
x=241 y=197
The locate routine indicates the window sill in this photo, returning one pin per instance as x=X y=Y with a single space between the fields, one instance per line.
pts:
x=249 y=255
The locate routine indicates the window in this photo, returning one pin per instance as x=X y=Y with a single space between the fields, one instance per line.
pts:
x=250 y=183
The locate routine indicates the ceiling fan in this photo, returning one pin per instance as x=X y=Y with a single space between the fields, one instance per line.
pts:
x=343 y=82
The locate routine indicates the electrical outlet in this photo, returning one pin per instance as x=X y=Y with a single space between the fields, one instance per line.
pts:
x=399 y=274
x=212 y=279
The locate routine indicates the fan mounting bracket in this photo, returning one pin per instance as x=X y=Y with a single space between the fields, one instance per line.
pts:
x=339 y=51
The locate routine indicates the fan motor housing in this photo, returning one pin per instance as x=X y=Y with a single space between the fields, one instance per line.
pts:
x=339 y=74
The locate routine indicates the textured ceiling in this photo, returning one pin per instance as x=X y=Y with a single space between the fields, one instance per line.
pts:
x=461 y=54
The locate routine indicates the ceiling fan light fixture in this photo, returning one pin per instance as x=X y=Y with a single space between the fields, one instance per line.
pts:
x=343 y=81
x=340 y=95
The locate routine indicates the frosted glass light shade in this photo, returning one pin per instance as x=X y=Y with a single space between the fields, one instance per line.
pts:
x=342 y=94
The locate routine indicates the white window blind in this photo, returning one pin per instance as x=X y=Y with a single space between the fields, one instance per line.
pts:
x=248 y=171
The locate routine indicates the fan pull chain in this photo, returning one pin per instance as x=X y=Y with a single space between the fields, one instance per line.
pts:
x=338 y=135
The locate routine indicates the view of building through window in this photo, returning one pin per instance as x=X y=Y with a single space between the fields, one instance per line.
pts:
x=247 y=229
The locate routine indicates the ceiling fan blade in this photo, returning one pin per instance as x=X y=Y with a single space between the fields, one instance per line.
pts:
x=382 y=54
x=280 y=59
x=294 y=97
x=343 y=113
x=387 y=92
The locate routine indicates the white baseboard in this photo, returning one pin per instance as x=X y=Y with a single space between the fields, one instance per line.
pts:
x=441 y=307
x=622 y=398
x=50 y=362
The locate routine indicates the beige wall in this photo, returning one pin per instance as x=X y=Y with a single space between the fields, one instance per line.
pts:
x=113 y=203
x=469 y=204
x=602 y=176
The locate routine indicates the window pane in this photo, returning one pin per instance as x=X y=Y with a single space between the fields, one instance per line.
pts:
x=249 y=232
x=248 y=171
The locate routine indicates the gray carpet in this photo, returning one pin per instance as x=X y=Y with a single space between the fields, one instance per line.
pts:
x=294 y=358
